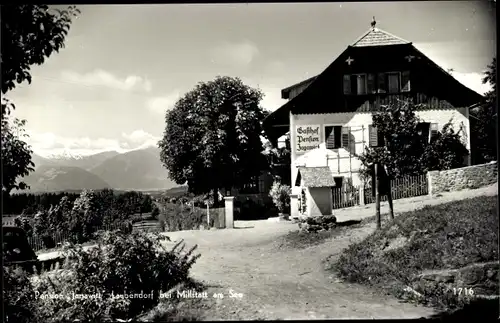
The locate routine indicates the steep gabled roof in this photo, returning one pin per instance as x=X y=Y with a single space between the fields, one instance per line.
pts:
x=378 y=37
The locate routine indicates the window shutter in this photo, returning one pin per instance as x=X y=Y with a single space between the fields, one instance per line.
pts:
x=381 y=83
x=405 y=81
x=371 y=83
x=373 y=136
x=329 y=138
x=434 y=131
x=345 y=136
x=337 y=136
x=347 y=84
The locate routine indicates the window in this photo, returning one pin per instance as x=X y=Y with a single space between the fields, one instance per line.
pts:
x=338 y=137
x=347 y=84
x=333 y=139
x=405 y=81
x=361 y=84
x=393 y=82
x=261 y=185
x=376 y=139
x=371 y=84
x=423 y=129
x=381 y=83
x=355 y=84
x=434 y=131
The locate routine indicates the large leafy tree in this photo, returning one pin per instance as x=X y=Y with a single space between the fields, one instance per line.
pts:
x=30 y=34
x=212 y=136
x=397 y=126
x=406 y=150
x=484 y=120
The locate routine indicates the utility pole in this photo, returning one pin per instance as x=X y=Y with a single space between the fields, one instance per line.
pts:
x=377 y=196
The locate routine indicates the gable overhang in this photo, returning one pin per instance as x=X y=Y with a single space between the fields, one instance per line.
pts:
x=285 y=93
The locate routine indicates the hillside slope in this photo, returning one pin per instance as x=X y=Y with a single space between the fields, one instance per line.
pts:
x=52 y=178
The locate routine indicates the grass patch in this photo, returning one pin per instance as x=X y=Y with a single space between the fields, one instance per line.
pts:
x=445 y=236
x=301 y=240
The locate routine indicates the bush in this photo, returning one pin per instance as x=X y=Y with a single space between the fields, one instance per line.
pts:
x=19 y=302
x=120 y=264
x=177 y=217
x=451 y=235
x=280 y=195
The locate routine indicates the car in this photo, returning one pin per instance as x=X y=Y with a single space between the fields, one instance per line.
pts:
x=17 y=251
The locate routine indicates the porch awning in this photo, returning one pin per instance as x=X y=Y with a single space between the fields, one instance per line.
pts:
x=315 y=177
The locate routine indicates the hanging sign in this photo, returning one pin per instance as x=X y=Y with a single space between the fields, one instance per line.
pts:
x=307 y=137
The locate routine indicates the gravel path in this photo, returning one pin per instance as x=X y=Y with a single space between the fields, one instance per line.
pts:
x=278 y=283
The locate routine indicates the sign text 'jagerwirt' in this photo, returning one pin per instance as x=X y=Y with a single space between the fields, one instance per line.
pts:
x=307 y=138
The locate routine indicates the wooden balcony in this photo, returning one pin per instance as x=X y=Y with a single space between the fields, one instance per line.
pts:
x=375 y=102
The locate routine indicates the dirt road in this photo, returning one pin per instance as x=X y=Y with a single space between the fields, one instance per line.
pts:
x=277 y=283
x=270 y=282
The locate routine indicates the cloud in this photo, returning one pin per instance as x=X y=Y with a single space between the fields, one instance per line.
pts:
x=102 y=78
x=140 y=139
x=237 y=54
x=46 y=144
x=161 y=104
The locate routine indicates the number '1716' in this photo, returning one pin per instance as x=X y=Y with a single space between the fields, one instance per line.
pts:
x=463 y=291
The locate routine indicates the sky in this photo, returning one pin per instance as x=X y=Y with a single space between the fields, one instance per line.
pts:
x=124 y=66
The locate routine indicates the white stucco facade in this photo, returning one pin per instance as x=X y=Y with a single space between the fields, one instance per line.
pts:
x=341 y=162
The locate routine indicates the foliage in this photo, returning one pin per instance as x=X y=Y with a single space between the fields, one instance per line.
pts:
x=280 y=195
x=279 y=160
x=120 y=264
x=397 y=124
x=16 y=155
x=446 y=151
x=177 y=217
x=19 y=302
x=24 y=223
x=484 y=121
x=450 y=235
x=406 y=150
x=30 y=33
x=24 y=203
x=212 y=136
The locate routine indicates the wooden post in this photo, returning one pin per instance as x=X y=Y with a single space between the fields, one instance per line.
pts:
x=377 y=197
x=389 y=198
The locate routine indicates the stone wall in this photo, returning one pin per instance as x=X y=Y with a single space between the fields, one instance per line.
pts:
x=463 y=178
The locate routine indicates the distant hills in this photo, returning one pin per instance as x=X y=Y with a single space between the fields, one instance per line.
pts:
x=133 y=170
x=47 y=178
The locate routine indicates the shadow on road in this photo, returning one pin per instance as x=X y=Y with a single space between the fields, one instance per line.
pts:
x=249 y=227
